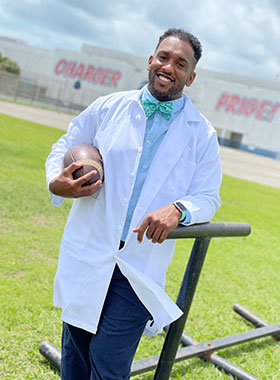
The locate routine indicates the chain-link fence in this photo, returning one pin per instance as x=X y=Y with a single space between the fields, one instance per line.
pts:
x=43 y=91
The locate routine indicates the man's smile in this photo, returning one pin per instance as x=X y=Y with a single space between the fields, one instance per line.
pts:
x=164 y=77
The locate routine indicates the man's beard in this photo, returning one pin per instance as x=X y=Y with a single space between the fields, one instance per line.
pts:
x=164 y=95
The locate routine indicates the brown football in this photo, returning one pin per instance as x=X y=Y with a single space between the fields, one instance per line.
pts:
x=90 y=157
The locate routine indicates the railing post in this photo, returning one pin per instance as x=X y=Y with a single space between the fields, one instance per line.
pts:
x=184 y=301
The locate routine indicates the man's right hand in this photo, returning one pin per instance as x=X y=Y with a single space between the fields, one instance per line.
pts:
x=65 y=186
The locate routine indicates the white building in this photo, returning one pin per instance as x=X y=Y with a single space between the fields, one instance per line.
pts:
x=244 y=110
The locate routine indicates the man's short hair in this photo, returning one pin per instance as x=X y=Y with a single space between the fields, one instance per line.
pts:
x=184 y=36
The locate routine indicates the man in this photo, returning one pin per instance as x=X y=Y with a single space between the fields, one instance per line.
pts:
x=161 y=165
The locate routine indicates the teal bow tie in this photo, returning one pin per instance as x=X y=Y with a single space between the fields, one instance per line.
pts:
x=150 y=108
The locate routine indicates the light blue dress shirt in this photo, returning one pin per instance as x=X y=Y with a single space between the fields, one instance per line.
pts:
x=156 y=128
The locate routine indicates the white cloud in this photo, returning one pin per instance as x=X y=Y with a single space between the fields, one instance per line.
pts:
x=236 y=35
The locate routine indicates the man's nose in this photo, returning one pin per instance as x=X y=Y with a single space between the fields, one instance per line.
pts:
x=168 y=67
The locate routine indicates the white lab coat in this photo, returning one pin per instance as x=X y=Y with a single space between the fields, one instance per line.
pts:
x=186 y=167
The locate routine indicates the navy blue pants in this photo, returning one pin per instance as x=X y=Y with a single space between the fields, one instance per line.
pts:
x=108 y=354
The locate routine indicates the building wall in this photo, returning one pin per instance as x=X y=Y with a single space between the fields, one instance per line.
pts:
x=94 y=71
x=244 y=110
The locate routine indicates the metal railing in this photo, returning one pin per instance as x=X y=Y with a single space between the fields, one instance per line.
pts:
x=202 y=233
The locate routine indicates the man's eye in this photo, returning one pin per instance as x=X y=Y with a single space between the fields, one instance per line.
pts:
x=180 y=64
x=162 y=57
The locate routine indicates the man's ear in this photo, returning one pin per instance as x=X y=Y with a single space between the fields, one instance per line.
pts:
x=149 y=62
x=191 y=79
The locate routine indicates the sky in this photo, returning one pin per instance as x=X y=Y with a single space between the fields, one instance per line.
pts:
x=238 y=36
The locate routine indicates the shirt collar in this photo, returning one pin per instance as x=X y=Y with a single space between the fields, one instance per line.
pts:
x=178 y=104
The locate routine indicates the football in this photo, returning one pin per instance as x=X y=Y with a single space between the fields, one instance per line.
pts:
x=91 y=159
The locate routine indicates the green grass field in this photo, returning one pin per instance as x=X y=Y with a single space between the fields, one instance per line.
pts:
x=237 y=270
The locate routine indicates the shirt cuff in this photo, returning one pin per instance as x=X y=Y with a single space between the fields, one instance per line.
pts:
x=56 y=199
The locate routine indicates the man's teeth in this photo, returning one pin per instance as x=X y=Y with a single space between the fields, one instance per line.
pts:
x=161 y=77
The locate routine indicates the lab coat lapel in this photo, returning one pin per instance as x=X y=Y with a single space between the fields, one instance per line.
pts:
x=174 y=143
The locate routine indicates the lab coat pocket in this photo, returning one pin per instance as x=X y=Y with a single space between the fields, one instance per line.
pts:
x=80 y=222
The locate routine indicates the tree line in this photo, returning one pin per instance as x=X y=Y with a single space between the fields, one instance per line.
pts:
x=6 y=64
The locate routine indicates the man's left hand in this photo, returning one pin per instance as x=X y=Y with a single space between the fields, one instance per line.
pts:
x=158 y=224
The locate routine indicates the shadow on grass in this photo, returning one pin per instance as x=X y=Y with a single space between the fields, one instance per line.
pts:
x=249 y=347
x=48 y=366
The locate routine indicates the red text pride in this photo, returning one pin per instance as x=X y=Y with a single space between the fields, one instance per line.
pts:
x=261 y=109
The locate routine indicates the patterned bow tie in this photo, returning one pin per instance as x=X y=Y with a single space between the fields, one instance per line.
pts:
x=150 y=108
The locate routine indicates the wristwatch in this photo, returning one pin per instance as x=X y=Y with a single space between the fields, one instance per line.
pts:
x=180 y=207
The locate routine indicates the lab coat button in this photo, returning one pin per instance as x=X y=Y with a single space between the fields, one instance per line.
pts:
x=139 y=150
x=148 y=141
x=132 y=175
x=125 y=201
x=119 y=227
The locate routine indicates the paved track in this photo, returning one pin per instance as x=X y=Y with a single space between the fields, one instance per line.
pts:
x=235 y=163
